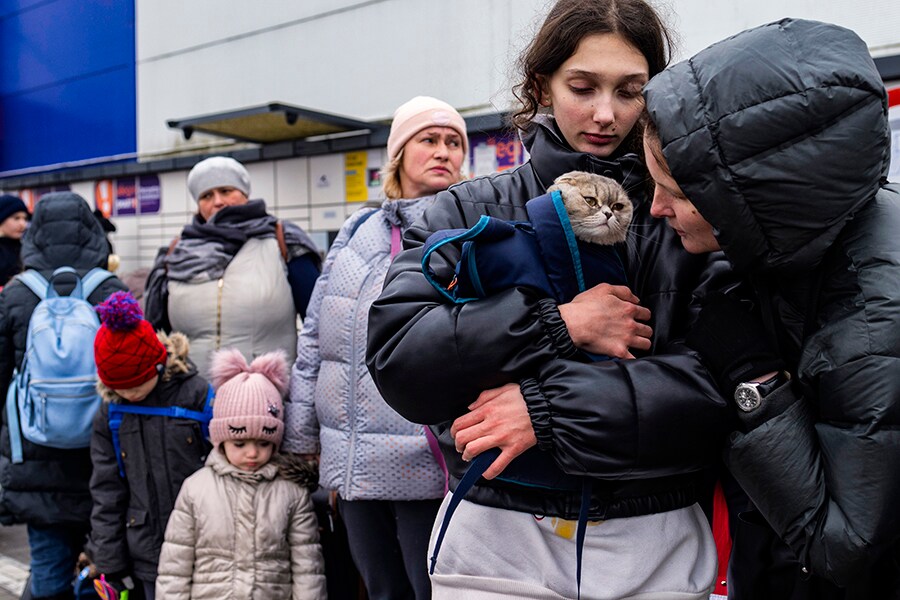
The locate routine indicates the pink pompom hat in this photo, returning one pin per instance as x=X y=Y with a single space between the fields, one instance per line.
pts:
x=248 y=404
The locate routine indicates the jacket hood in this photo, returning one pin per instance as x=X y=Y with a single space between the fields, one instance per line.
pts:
x=64 y=232
x=778 y=135
x=177 y=363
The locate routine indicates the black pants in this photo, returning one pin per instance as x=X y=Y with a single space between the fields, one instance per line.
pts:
x=389 y=544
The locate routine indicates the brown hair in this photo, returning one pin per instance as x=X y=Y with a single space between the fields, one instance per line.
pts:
x=566 y=24
x=651 y=136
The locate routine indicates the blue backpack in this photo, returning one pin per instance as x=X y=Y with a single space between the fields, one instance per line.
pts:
x=52 y=399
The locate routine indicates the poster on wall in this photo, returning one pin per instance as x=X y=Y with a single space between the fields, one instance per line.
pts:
x=355 y=175
x=491 y=153
x=128 y=196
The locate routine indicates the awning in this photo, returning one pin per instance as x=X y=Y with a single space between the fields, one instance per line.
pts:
x=273 y=122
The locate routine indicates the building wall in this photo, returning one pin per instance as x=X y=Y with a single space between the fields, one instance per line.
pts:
x=67 y=81
x=350 y=57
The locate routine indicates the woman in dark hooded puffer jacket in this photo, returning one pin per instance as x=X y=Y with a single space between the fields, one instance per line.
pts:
x=773 y=145
x=49 y=490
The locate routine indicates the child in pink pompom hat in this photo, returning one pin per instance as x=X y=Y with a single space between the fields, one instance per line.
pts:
x=244 y=526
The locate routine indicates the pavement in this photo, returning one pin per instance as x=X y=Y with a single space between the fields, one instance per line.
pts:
x=13 y=561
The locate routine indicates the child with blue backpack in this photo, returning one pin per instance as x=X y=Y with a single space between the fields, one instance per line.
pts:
x=149 y=436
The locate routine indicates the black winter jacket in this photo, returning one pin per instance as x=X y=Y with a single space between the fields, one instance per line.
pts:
x=645 y=429
x=785 y=154
x=51 y=486
x=128 y=522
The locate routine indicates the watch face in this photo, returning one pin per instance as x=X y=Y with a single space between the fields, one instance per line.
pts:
x=747 y=397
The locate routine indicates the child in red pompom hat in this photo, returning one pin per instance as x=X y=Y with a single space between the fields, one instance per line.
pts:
x=148 y=437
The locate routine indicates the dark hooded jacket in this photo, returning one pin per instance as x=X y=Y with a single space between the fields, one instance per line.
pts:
x=780 y=137
x=644 y=429
x=129 y=518
x=51 y=486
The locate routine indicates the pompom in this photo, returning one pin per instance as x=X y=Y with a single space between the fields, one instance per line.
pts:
x=227 y=364
x=274 y=367
x=120 y=312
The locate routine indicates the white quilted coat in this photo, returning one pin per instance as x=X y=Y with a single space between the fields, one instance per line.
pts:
x=236 y=535
x=254 y=307
x=368 y=451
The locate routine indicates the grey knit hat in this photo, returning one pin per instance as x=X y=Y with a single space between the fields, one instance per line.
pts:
x=218 y=171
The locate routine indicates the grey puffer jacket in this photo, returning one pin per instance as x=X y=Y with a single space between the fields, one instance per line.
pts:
x=368 y=451
x=51 y=486
x=129 y=517
x=236 y=535
x=785 y=152
x=644 y=430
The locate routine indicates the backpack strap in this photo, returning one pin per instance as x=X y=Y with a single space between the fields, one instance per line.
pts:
x=282 y=244
x=118 y=411
x=12 y=419
x=92 y=280
x=361 y=220
x=35 y=282
x=442 y=238
x=476 y=469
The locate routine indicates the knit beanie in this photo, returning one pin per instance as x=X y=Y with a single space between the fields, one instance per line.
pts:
x=126 y=349
x=218 y=171
x=416 y=115
x=248 y=402
x=10 y=205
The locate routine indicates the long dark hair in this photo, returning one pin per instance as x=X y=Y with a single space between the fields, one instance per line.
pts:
x=566 y=24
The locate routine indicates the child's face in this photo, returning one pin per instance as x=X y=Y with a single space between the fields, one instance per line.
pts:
x=248 y=455
x=136 y=394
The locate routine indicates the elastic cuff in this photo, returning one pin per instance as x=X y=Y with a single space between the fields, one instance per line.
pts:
x=772 y=405
x=555 y=327
x=539 y=411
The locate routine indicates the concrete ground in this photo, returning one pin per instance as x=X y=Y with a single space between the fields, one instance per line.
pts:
x=13 y=561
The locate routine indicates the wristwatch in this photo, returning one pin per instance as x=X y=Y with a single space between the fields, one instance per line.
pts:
x=749 y=396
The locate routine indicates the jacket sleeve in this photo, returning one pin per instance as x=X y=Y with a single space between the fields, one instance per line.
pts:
x=830 y=489
x=176 y=560
x=156 y=294
x=629 y=419
x=7 y=344
x=307 y=562
x=301 y=425
x=107 y=546
x=418 y=341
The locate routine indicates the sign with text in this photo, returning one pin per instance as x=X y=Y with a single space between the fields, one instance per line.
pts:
x=128 y=196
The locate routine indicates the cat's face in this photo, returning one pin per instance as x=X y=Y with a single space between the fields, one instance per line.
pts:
x=598 y=207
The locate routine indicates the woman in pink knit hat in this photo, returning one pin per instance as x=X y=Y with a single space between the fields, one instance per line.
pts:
x=243 y=527
x=388 y=482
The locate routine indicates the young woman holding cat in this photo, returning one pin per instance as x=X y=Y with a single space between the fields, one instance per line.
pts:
x=642 y=431
x=767 y=174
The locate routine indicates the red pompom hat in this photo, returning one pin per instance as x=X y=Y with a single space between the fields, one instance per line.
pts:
x=126 y=349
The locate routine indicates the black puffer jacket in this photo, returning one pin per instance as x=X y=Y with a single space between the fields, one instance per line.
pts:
x=780 y=137
x=128 y=522
x=51 y=486
x=645 y=427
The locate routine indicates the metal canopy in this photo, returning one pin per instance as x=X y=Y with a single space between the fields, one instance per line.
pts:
x=273 y=122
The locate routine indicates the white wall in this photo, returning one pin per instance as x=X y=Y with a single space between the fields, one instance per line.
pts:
x=362 y=59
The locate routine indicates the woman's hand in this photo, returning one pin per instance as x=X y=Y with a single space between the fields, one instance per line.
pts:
x=606 y=319
x=497 y=419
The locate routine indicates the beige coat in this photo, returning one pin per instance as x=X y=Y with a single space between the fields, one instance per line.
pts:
x=236 y=535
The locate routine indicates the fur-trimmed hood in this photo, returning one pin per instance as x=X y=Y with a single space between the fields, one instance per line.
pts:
x=178 y=364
